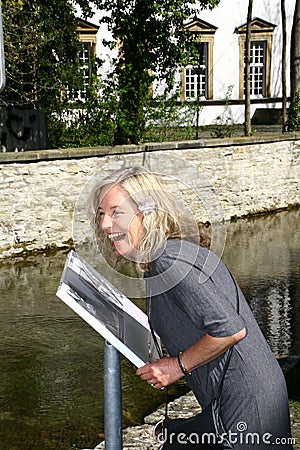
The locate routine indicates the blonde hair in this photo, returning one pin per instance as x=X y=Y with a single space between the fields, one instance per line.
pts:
x=163 y=218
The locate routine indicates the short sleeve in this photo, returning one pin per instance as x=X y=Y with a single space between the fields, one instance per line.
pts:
x=209 y=301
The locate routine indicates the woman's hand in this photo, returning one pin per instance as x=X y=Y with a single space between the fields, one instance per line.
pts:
x=160 y=373
x=166 y=371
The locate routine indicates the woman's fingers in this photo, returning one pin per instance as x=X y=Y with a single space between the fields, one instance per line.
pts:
x=160 y=373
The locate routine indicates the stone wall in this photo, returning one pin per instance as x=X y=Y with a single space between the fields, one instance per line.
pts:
x=222 y=178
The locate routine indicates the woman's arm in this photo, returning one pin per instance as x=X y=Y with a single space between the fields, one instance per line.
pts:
x=166 y=371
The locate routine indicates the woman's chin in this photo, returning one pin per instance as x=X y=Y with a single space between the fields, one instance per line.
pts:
x=122 y=249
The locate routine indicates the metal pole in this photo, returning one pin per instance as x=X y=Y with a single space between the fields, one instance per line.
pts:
x=2 y=60
x=112 y=398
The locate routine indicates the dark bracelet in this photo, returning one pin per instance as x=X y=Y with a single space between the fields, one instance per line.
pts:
x=181 y=365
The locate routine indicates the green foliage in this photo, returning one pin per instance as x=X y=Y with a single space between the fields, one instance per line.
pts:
x=90 y=124
x=41 y=48
x=95 y=125
x=133 y=99
x=169 y=120
x=42 y=66
x=153 y=45
x=294 y=114
x=89 y=129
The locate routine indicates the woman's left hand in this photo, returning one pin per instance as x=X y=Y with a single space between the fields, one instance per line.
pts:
x=160 y=373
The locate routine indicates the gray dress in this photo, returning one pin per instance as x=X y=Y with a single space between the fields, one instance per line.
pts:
x=190 y=293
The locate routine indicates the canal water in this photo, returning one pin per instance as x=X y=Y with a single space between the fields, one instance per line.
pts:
x=51 y=394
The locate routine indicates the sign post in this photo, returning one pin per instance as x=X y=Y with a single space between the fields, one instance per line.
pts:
x=112 y=398
x=2 y=59
x=124 y=326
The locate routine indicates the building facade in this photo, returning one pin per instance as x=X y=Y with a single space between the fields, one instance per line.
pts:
x=218 y=77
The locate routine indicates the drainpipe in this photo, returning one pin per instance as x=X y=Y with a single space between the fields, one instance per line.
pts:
x=2 y=63
x=112 y=398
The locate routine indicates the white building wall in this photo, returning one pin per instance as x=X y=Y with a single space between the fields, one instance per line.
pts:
x=229 y=15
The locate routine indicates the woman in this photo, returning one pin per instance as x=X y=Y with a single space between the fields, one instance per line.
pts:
x=193 y=304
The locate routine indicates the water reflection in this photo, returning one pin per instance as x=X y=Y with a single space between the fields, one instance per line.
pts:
x=51 y=394
x=272 y=306
x=264 y=255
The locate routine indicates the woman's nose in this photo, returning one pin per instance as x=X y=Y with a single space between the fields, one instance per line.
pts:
x=106 y=222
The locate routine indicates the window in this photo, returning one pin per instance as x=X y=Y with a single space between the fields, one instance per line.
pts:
x=260 y=58
x=87 y=35
x=85 y=62
x=257 y=69
x=196 y=79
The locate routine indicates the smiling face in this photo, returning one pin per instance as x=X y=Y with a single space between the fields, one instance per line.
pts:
x=120 y=220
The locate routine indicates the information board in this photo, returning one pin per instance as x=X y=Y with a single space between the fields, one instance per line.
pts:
x=107 y=310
